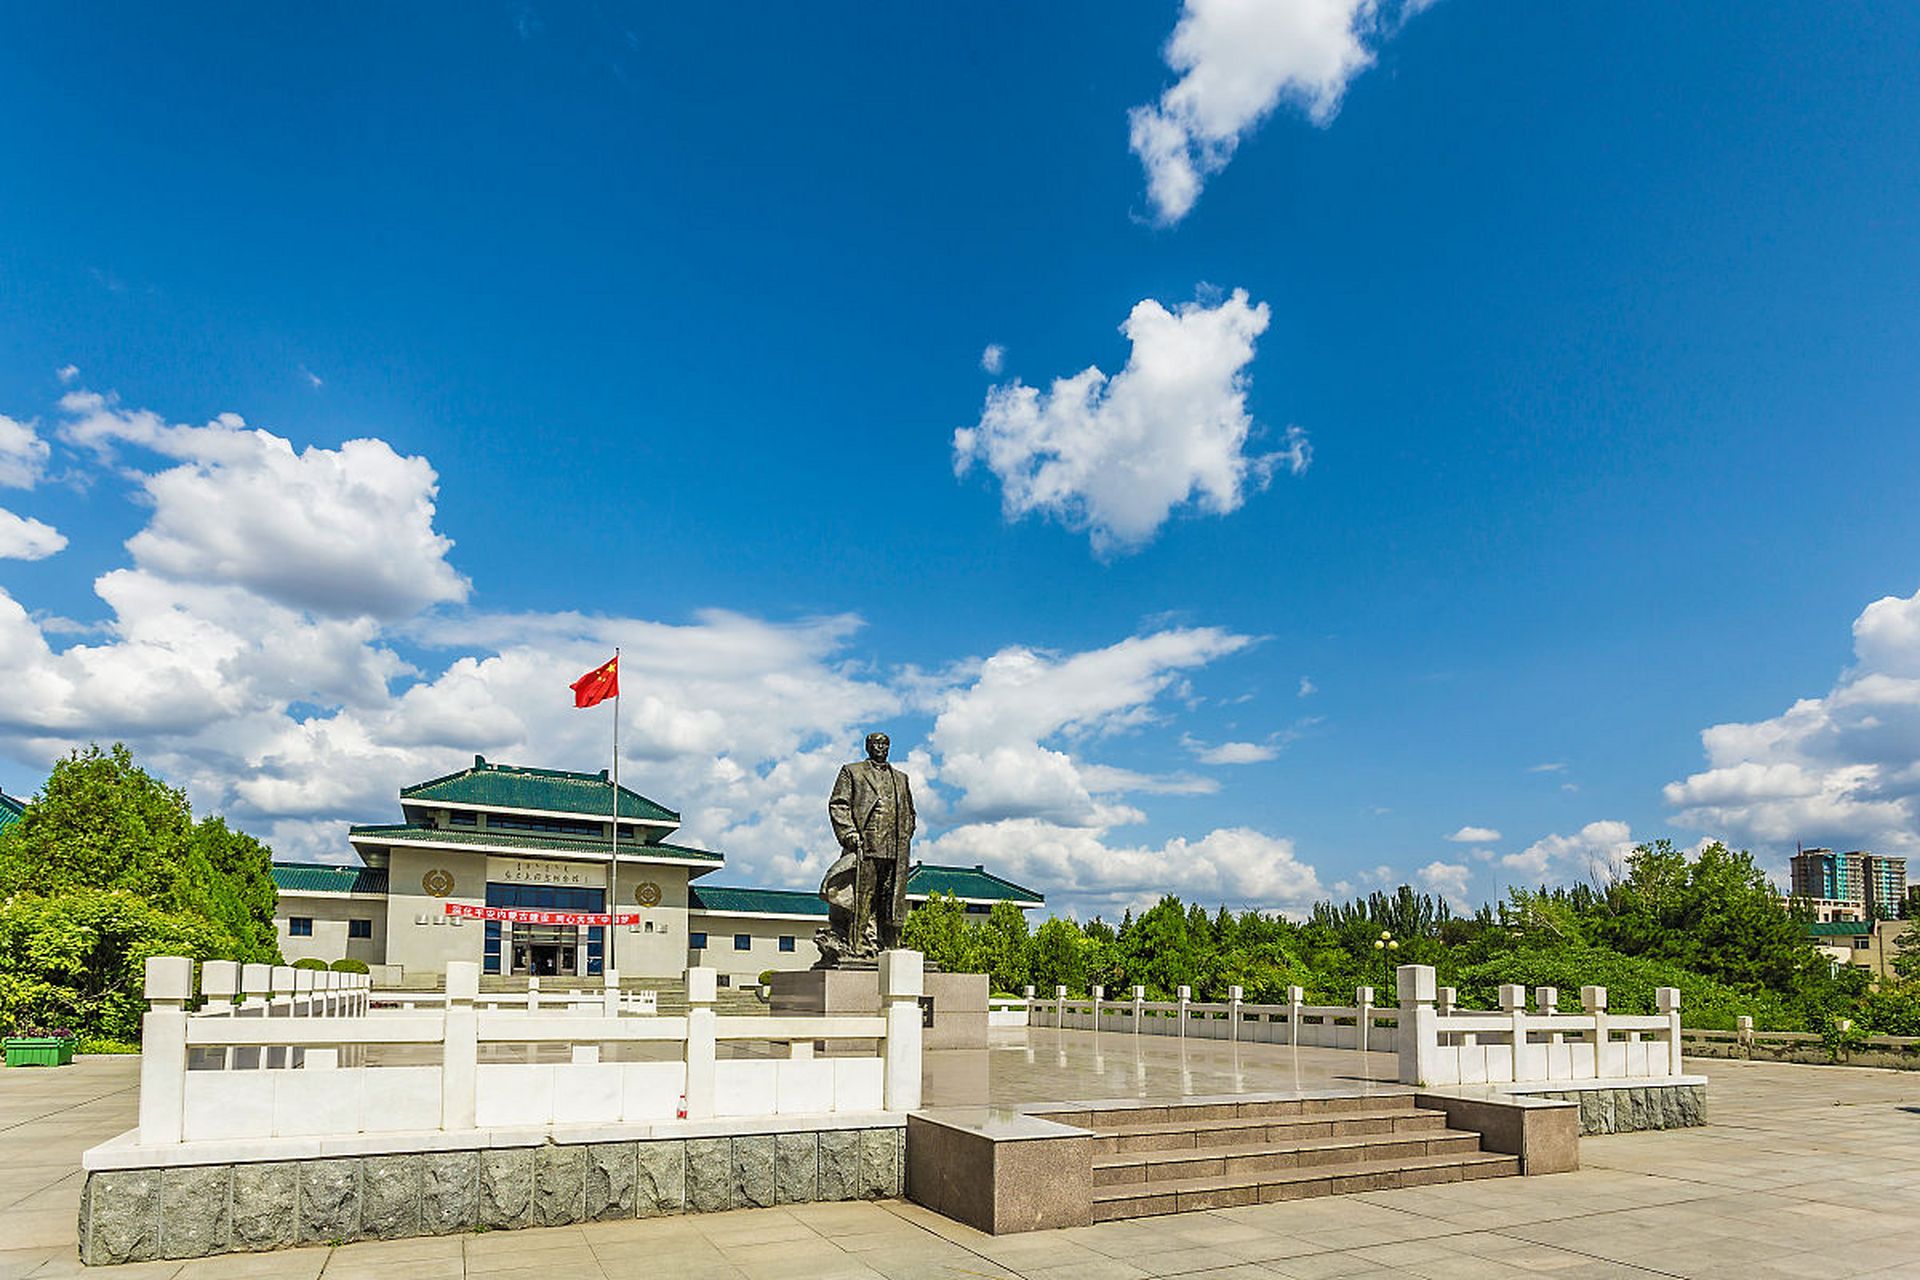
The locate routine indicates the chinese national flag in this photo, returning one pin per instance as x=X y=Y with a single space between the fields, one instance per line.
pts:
x=599 y=684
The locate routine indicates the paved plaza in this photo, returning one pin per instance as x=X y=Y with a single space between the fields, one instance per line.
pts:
x=1803 y=1171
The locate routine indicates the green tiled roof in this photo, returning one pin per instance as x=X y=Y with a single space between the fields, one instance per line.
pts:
x=520 y=840
x=312 y=877
x=976 y=883
x=784 y=902
x=512 y=786
x=1839 y=928
x=10 y=810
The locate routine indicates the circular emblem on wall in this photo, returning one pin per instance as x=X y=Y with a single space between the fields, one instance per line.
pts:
x=438 y=882
x=647 y=894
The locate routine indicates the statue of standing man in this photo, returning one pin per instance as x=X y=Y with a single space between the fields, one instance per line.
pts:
x=866 y=888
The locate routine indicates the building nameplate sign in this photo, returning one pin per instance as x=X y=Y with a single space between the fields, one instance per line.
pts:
x=523 y=915
x=537 y=871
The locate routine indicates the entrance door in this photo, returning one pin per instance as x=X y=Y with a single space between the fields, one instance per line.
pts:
x=545 y=951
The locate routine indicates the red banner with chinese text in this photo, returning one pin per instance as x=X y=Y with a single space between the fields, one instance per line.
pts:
x=520 y=915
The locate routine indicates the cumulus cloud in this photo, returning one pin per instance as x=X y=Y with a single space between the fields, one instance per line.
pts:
x=297 y=716
x=342 y=532
x=24 y=538
x=23 y=454
x=1475 y=835
x=1006 y=737
x=1090 y=873
x=1449 y=880
x=994 y=358
x=1115 y=457
x=1841 y=769
x=1238 y=60
x=1598 y=851
x=1307 y=687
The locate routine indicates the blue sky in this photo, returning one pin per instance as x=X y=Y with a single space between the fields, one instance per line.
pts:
x=1597 y=336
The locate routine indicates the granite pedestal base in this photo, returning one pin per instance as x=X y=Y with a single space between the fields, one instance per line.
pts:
x=957 y=1001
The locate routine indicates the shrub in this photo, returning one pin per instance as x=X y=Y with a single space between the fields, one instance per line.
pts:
x=348 y=964
x=309 y=962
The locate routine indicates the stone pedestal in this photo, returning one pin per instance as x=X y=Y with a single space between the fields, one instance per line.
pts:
x=956 y=1003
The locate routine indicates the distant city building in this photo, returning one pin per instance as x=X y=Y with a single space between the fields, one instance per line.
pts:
x=10 y=810
x=1855 y=885
x=489 y=861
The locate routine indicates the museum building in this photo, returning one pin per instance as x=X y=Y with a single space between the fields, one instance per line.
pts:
x=495 y=863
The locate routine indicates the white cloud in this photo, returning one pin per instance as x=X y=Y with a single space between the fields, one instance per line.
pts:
x=23 y=454
x=1235 y=752
x=313 y=379
x=342 y=532
x=1475 y=835
x=1116 y=456
x=1598 y=851
x=994 y=358
x=1003 y=739
x=1449 y=880
x=1551 y=766
x=24 y=538
x=67 y=373
x=1237 y=61
x=1842 y=769
x=296 y=718
x=1307 y=687
x=1236 y=866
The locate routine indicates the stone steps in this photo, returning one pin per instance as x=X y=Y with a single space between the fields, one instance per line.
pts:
x=1241 y=1130
x=1142 y=1199
x=1214 y=1154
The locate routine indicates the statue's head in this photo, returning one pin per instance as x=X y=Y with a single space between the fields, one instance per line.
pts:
x=877 y=744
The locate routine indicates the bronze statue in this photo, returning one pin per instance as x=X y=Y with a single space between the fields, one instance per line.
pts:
x=871 y=810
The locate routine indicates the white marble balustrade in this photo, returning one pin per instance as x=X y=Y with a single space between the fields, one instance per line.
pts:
x=281 y=1052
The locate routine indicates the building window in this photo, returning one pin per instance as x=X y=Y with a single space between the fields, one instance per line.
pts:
x=743 y=942
x=697 y=941
x=359 y=928
x=300 y=926
x=1863 y=944
x=461 y=819
x=979 y=909
x=786 y=943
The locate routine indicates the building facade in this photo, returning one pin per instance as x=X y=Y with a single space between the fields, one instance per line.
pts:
x=10 y=810
x=1854 y=885
x=496 y=863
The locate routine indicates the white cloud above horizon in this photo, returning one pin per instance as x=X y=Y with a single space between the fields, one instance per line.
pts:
x=1595 y=853
x=993 y=358
x=24 y=538
x=1841 y=769
x=1237 y=61
x=1475 y=835
x=291 y=707
x=1117 y=457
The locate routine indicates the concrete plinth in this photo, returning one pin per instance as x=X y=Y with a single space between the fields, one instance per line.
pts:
x=957 y=1002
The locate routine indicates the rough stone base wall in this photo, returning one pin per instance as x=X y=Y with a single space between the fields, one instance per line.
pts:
x=134 y=1215
x=1677 y=1106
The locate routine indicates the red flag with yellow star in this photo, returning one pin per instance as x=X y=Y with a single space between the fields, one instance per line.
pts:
x=595 y=687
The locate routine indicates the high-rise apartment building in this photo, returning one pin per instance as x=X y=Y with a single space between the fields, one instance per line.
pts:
x=1856 y=885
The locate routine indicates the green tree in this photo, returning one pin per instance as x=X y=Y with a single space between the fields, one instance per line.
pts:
x=1060 y=956
x=240 y=895
x=938 y=929
x=102 y=822
x=1004 y=947
x=78 y=958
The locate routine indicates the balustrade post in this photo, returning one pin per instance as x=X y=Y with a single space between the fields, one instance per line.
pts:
x=1418 y=1041
x=902 y=981
x=1743 y=1033
x=702 y=1046
x=1447 y=999
x=1139 y=1007
x=460 y=1061
x=1234 y=997
x=1296 y=997
x=256 y=987
x=1527 y=1061
x=533 y=993
x=1363 y=1015
x=1060 y=1005
x=1026 y=993
x=219 y=983
x=1667 y=1001
x=163 y=1050
x=1098 y=994
x=302 y=1005
x=280 y=1006
x=610 y=995
x=1593 y=1001
x=1186 y=995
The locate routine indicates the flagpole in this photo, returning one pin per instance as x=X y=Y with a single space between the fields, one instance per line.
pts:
x=613 y=862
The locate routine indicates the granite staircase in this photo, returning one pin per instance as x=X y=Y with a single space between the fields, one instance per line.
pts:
x=1171 y=1158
